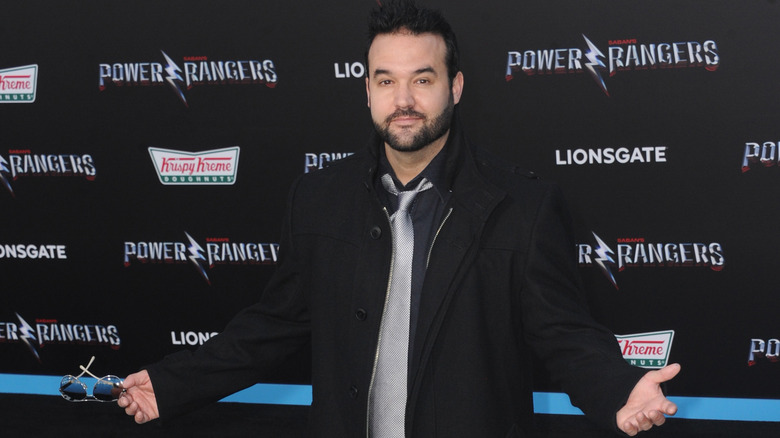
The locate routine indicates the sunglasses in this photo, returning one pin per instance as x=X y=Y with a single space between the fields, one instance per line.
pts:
x=106 y=389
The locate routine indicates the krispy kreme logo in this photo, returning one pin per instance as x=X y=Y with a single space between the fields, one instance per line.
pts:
x=646 y=350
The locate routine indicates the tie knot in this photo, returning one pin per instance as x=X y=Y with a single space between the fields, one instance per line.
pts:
x=405 y=197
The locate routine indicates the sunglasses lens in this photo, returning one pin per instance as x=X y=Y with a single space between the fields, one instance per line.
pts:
x=72 y=389
x=108 y=388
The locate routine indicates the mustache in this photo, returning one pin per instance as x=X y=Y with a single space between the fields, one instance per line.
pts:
x=404 y=113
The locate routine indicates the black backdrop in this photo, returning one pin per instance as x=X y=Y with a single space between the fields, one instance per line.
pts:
x=693 y=128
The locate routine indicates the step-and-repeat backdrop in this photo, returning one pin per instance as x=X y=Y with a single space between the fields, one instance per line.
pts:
x=146 y=149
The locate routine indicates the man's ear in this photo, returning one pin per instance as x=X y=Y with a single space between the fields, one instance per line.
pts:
x=368 y=94
x=457 y=87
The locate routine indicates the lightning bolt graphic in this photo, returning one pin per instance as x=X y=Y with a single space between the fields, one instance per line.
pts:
x=174 y=76
x=605 y=254
x=26 y=333
x=196 y=257
x=594 y=55
x=5 y=174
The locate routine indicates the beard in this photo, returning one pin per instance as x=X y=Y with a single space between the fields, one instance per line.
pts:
x=431 y=130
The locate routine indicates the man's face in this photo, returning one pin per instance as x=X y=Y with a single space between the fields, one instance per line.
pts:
x=409 y=92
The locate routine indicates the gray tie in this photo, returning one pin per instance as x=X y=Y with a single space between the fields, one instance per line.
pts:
x=388 y=395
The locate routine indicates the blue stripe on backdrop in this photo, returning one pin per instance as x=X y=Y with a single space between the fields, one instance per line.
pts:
x=694 y=408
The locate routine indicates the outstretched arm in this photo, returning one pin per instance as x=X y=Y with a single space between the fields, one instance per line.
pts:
x=139 y=400
x=647 y=405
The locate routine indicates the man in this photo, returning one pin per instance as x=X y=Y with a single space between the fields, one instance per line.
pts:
x=488 y=276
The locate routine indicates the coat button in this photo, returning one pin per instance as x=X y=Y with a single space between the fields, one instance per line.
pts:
x=376 y=232
x=361 y=314
x=353 y=391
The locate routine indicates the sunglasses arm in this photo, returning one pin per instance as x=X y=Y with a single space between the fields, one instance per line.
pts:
x=85 y=369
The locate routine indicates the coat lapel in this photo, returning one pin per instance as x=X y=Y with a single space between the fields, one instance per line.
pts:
x=453 y=252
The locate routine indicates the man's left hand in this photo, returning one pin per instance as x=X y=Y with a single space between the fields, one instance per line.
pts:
x=647 y=405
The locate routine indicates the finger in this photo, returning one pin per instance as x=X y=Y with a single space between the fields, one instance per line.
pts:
x=669 y=408
x=657 y=418
x=129 y=381
x=643 y=422
x=131 y=409
x=124 y=400
x=666 y=373
x=630 y=428
x=140 y=418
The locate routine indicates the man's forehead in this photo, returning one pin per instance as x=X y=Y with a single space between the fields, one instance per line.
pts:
x=428 y=50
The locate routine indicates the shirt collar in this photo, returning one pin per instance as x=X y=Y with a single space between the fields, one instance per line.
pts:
x=433 y=172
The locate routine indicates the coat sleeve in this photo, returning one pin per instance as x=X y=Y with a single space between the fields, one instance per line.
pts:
x=254 y=342
x=579 y=353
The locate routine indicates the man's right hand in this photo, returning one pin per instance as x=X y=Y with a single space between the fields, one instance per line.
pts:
x=139 y=400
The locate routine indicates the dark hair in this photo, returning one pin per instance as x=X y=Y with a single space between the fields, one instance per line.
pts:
x=404 y=15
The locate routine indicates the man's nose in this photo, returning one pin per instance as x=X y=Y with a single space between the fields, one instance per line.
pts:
x=404 y=98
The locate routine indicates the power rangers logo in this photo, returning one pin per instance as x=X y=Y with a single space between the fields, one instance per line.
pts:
x=51 y=331
x=636 y=252
x=22 y=163
x=760 y=155
x=318 y=161
x=621 y=55
x=198 y=70
x=759 y=348
x=218 y=251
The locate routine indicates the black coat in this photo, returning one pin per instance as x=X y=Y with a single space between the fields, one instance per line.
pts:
x=502 y=280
